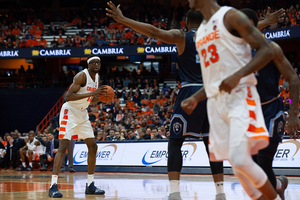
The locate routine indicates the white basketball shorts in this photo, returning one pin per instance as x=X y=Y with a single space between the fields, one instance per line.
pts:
x=235 y=117
x=74 y=123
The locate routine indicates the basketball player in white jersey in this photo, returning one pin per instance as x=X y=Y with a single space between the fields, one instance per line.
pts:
x=237 y=127
x=74 y=122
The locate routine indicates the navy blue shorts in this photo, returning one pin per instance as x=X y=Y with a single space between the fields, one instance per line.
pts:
x=274 y=119
x=184 y=125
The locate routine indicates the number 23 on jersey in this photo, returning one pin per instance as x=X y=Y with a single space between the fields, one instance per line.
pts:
x=213 y=57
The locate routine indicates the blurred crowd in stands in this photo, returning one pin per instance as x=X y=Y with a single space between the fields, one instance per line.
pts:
x=93 y=28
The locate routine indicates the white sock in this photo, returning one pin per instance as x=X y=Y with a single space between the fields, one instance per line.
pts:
x=23 y=164
x=278 y=184
x=54 y=180
x=30 y=164
x=219 y=187
x=174 y=186
x=90 y=178
x=277 y=198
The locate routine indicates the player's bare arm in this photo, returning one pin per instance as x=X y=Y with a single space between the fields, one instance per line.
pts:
x=290 y=75
x=189 y=104
x=271 y=18
x=238 y=23
x=174 y=36
x=79 y=81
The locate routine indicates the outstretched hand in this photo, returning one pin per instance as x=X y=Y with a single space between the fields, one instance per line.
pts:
x=275 y=16
x=114 y=12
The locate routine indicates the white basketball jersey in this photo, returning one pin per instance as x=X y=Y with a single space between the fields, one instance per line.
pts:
x=221 y=53
x=90 y=86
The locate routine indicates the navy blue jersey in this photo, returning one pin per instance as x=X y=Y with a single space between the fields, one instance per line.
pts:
x=189 y=61
x=267 y=78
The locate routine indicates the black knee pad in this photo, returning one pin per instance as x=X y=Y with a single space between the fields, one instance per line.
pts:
x=174 y=154
x=215 y=167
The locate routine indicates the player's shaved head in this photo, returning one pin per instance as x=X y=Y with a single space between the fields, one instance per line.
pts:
x=194 y=16
x=251 y=14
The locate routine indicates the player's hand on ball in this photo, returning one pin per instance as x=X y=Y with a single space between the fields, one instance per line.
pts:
x=229 y=83
x=114 y=12
x=189 y=104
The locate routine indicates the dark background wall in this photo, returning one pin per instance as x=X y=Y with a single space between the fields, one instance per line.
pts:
x=23 y=109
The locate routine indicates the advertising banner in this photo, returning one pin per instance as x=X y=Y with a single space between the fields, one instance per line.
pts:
x=282 y=33
x=156 y=154
x=86 y=51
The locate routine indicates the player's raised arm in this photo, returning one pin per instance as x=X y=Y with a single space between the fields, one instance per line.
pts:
x=78 y=81
x=271 y=18
x=236 y=21
x=169 y=37
x=290 y=75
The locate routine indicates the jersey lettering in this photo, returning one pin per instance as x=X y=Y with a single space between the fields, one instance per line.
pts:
x=210 y=37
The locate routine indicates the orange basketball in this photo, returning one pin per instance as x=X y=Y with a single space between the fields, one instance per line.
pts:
x=107 y=94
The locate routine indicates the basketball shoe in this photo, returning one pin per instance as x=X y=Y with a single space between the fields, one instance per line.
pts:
x=54 y=192
x=221 y=196
x=284 y=182
x=92 y=189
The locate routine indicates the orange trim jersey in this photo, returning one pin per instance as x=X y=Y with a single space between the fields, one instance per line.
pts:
x=90 y=86
x=222 y=54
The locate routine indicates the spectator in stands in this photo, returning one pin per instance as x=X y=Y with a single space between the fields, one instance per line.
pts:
x=23 y=31
x=77 y=41
x=10 y=36
x=142 y=135
x=17 y=43
x=9 y=44
x=100 y=136
x=42 y=43
x=16 y=31
x=155 y=135
x=82 y=33
x=52 y=29
x=2 y=155
x=68 y=42
x=137 y=98
x=165 y=88
x=2 y=43
x=45 y=31
x=111 y=135
x=54 y=43
x=51 y=149
x=123 y=40
x=118 y=136
x=12 y=148
x=130 y=135
x=156 y=107
x=38 y=32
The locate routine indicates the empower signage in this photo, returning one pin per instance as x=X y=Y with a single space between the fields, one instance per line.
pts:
x=131 y=50
x=283 y=33
x=156 y=154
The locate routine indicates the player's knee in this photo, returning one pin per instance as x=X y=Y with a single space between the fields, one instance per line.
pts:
x=239 y=162
x=93 y=147
x=30 y=152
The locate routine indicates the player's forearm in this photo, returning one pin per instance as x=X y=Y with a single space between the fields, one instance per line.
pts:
x=143 y=28
x=200 y=95
x=262 y=24
x=263 y=56
x=294 y=92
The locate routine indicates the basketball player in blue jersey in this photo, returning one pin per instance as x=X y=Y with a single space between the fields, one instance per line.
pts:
x=273 y=108
x=74 y=123
x=182 y=124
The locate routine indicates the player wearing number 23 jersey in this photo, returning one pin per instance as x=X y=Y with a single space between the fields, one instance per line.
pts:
x=238 y=113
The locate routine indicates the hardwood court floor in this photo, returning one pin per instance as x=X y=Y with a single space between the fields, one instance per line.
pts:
x=124 y=186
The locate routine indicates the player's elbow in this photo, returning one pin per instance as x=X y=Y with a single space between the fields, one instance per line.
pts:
x=67 y=97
